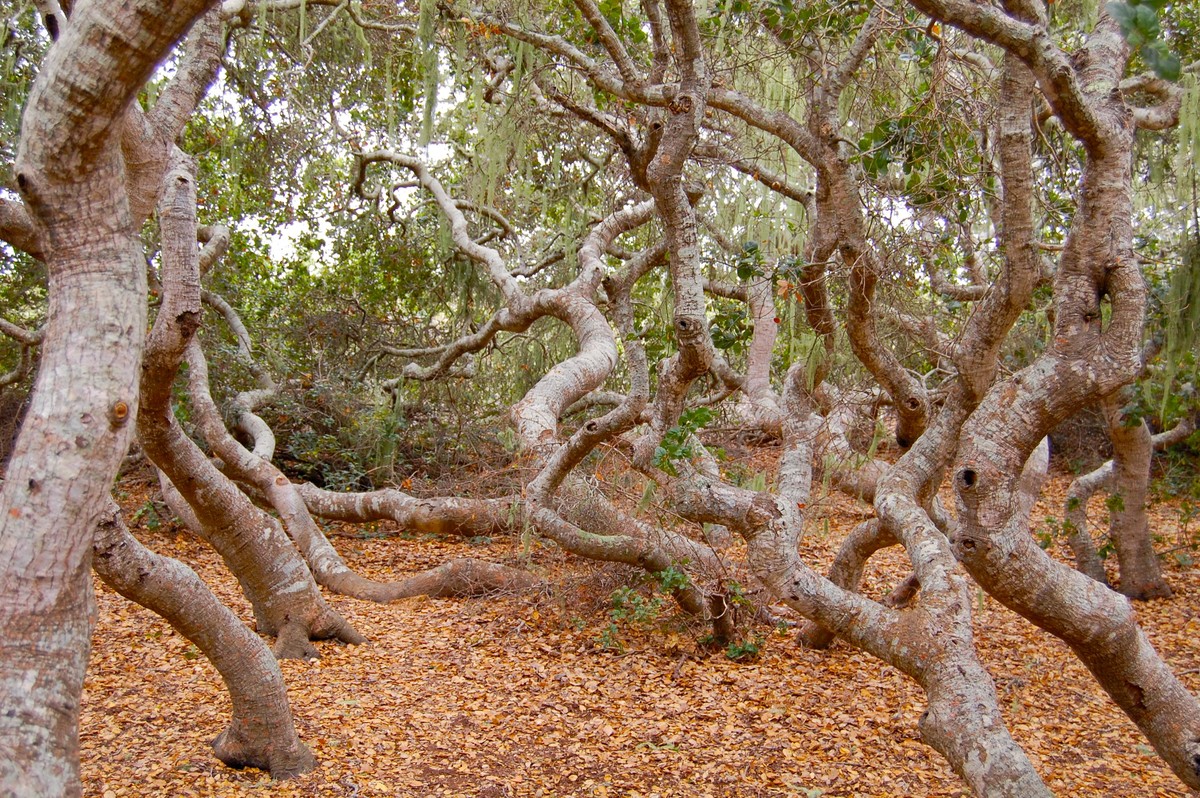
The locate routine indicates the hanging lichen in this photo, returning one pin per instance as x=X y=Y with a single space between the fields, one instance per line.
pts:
x=1181 y=306
x=389 y=102
x=1188 y=131
x=426 y=28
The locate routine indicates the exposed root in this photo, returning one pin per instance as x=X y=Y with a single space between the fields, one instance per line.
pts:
x=464 y=577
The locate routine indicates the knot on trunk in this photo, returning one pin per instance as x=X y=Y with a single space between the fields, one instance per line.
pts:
x=682 y=104
x=118 y=414
x=762 y=510
x=968 y=546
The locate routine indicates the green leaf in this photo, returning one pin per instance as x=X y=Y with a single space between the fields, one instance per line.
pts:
x=1145 y=20
x=1165 y=63
x=749 y=262
x=1123 y=14
x=695 y=418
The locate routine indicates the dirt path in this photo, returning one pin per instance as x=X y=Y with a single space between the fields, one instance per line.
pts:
x=520 y=697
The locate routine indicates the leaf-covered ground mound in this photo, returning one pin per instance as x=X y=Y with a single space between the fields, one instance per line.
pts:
x=549 y=695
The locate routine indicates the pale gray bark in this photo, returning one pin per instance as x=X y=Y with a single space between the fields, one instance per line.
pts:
x=908 y=488
x=538 y=413
x=847 y=572
x=934 y=646
x=1085 y=362
x=261 y=733
x=72 y=179
x=839 y=226
x=1033 y=478
x=245 y=403
x=280 y=587
x=847 y=470
x=18 y=229
x=461 y=577
x=148 y=138
x=761 y=404
x=441 y=515
x=28 y=340
x=680 y=129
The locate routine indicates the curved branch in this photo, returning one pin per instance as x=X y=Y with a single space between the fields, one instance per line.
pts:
x=18 y=229
x=486 y=256
x=441 y=515
x=285 y=599
x=611 y=42
x=1066 y=88
x=198 y=66
x=751 y=168
x=261 y=733
x=847 y=571
x=22 y=335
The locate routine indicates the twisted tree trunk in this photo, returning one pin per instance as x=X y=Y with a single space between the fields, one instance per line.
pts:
x=1129 y=528
x=261 y=733
x=1075 y=514
x=72 y=178
x=1086 y=361
x=286 y=600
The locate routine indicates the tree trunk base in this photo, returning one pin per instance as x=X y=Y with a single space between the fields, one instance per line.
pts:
x=234 y=750
x=1139 y=591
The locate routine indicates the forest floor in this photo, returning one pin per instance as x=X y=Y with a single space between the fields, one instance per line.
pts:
x=549 y=695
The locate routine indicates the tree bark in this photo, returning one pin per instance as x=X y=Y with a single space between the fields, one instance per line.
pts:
x=261 y=733
x=847 y=572
x=1075 y=520
x=1087 y=560
x=286 y=600
x=936 y=650
x=442 y=515
x=71 y=176
x=1087 y=360
x=1129 y=527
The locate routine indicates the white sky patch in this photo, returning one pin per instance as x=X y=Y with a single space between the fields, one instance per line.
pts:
x=282 y=244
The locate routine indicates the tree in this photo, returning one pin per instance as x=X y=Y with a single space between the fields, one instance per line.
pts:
x=72 y=179
x=823 y=212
